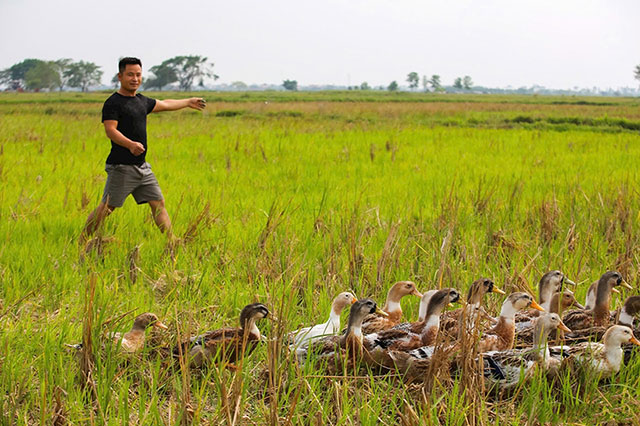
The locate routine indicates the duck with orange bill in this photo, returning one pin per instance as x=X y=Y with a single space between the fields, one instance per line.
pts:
x=377 y=322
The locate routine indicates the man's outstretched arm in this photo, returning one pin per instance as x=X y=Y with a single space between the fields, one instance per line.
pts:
x=175 y=104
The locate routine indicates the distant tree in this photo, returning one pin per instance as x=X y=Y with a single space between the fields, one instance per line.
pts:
x=365 y=86
x=425 y=83
x=467 y=82
x=61 y=66
x=636 y=73
x=393 y=86
x=413 y=79
x=290 y=84
x=83 y=75
x=116 y=81
x=42 y=76
x=163 y=75
x=14 y=76
x=435 y=83
x=457 y=83
x=186 y=70
x=239 y=85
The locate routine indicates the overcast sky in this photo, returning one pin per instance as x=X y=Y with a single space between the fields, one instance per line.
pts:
x=558 y=44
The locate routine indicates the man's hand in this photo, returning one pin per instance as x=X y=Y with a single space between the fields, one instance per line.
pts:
x=197 y=103
x=136 y=148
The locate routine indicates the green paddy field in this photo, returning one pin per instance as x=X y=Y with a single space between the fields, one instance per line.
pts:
x=289 y=199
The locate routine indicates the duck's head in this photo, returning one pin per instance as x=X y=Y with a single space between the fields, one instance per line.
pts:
x=401 y=289
x=619 y=334
x=441 y=299
x=481 y=287
x=552 y=282
x=253 y=312
x=521 y=300
x=343 y=300
x=142 y=321
x=611 y=280
x=568 y=299
x=362 y=308
x=552 y=321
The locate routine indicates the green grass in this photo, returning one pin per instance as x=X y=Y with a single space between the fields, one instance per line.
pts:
x=309 y=195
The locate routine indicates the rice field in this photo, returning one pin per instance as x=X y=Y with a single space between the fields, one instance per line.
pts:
x=288 y=199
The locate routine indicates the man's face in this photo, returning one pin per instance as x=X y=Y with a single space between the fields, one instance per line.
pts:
x=131 y=77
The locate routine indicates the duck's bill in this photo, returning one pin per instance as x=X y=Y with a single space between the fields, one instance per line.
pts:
x=381 y=312
x=535 y=305
x=563 y=327
x=634 y=341
x=497 y=290
x=450 y=305
x=577 y=305
x=626 y=285
x=416 y=293
x=615 y=290
x=160 y=325
x=354 y=300
x=568 y=281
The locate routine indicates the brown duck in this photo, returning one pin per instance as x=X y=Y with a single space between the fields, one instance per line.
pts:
x=225 y=344
x=599 y=316
x=376 y=322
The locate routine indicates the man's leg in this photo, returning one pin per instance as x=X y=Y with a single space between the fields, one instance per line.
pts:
x=160 y=216
x=95 y=220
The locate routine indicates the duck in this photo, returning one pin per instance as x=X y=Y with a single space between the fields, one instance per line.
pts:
x=604 y=358
x=225 y=344
x=559 y=302
x=550 y=284
x=377 y=322
x=331 y=326
x=629 y=310
x=449 y=323
x=504 y=370
x=502 y=335
x=599 y=315
x=351 y=342
x=133 y=340
x=590 y=298
x=416 y=334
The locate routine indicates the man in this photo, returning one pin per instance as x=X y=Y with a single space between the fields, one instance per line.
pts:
x=124 y=116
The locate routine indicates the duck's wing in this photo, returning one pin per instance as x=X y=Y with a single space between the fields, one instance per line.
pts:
x=318 y=348
x=379 y=323
x=310 y=333
x=392 y=339
x=578 y=319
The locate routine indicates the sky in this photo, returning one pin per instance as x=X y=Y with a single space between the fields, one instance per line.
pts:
x=558 y=44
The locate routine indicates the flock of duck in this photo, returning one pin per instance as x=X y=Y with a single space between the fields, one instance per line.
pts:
x=510 y=346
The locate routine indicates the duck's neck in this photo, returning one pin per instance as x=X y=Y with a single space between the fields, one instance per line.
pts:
x=601 y=313
x=508 y=313
x=431 y=322
x=546 y=296
x=422 y=311
x=334 y=319
x=475 y=296
x=253 y=328
x=540 y=343
x=506 y=330
x=625 y=318
x=614 y=354
x=392 y=306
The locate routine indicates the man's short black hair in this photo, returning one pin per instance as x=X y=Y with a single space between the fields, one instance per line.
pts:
x=128 y=61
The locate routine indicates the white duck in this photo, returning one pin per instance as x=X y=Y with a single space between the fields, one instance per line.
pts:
x=331 y=326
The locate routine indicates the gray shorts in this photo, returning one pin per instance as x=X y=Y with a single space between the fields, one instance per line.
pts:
x=125 y=179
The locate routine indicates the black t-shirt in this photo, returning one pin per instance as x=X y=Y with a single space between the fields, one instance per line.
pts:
x=131 y=114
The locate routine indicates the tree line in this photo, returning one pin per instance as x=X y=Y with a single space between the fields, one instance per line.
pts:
x=37 y=74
